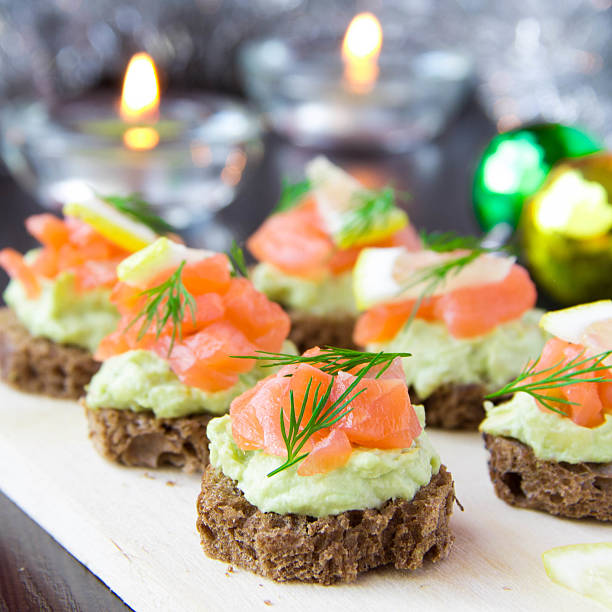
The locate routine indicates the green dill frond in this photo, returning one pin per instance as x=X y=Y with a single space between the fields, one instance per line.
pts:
x=331 y=360
x=435 y=276
x=134 y=206
x=573 y=372
x=237 y=260
x=291 y=194
x=323 y=414
x=372 y=207
x=166 y=302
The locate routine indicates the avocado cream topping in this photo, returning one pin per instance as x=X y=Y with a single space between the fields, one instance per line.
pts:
x=140 y=380
x=367 y=480
x=63 y=314
x=439 y=358
x=550 y=435
x=329 y=295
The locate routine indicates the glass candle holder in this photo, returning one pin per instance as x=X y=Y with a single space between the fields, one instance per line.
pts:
x=187 y=164
x=301 y=86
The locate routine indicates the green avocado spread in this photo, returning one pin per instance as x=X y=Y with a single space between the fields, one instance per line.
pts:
x=140 y=381
x=439 y=358
x=550 y=435
x=329 y=295
x=367 y=480
x=63 y=314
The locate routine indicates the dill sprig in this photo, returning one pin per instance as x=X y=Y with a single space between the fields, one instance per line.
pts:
x=323 y=415
x=134 y=206
x=372 y=206
x=331 y=360
x=443 y=242
x=435 y=276
x=237 y=260
x=165 y=302
x=571 y=373
x=291 y=194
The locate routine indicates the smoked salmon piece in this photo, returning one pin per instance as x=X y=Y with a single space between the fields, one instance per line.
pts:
x=208 y=275
x=380 y=410
x=296 y=242
x=467 y=312
x=16 y=267
x=48 y=230
x=69 y=245
x=231 y=319
x=475 y=311
x=378 y=415
x=263 y=322
x=204 y=359
x=590 y=399
x=330 y=453
x=384 y=321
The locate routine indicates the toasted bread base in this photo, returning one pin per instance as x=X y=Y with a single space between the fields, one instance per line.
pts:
x=453 y=406
x=39 y=365
x=329 y=549
x=581 y=490
x=141 y=439
x=308 y=330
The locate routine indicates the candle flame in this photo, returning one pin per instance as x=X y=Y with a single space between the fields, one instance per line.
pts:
x=140 y=102
x=140 y=138
x=360 y=50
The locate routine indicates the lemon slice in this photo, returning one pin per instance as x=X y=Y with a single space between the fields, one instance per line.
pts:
x=388 y=274
x=583 y=568
x=120 y=229
x=144 y=265
x=374 y=276
x=570 y=324
x=349 y=212
x=334 y=191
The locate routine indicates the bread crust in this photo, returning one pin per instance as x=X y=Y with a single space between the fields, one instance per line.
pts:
x=455 y=406
x=308 y=330
x=581 y=490
x=325 y=550
x=39 y=365
x=141 y=439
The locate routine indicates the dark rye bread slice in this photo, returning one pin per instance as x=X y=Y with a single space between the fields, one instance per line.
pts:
x=140 y=439
x=581 y=490
x=328 y=549
x=455 y=406
x=308 y=330
x=39 y=365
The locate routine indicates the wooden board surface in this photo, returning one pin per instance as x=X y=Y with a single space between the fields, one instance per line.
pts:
x=135 y=529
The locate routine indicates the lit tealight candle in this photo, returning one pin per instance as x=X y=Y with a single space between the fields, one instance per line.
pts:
x=185 y=154
x=360 y=50
x=346 y=89
x=140 y=103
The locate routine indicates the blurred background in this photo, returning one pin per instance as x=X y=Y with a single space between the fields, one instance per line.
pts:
x=534 y=59
x=252 y=89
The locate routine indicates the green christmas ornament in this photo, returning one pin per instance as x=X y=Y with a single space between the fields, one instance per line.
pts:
x=566 y=231
x=515 y=164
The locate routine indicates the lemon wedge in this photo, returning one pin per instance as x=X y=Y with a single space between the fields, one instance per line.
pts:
x=375 y=276
x=583 y=568
x=571 y=324
x=120 y=229
x=140 y=268
x=394 y=273
x=334 y=191
x=352 y=214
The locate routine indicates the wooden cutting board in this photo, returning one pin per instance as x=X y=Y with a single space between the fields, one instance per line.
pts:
x=135 y=529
